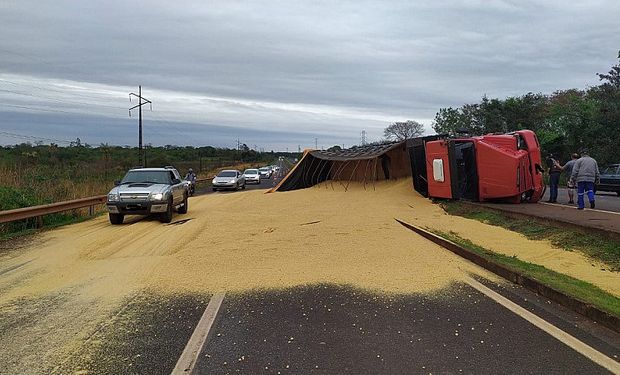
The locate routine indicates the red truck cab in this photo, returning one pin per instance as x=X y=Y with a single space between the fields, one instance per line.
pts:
x=493 y=167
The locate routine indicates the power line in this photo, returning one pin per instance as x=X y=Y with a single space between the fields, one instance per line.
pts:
x=58 y=100
x=32 y=137
x=36 y=109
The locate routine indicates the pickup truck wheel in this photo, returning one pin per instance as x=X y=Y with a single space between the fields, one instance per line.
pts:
x=166 y=217
x=183 y=208
x=214 y=189
x=116 y=219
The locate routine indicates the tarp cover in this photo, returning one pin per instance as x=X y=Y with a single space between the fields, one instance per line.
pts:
x=317 y=166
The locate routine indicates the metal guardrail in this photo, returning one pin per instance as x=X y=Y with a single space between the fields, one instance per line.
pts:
x=52 y=208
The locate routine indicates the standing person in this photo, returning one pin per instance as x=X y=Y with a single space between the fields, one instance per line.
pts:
x=586 y=174
x=554 y=178
x=570 y=184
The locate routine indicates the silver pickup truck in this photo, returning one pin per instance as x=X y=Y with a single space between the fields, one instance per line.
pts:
x=145 y=191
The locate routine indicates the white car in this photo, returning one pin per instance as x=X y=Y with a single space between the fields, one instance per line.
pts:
x=265 y=172
x=228 y=179
x=251 y=176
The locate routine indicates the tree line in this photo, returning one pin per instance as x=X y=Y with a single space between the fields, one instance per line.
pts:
x=565 y=121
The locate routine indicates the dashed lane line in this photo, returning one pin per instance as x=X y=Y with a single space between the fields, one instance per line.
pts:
x=186 y=363
x=579 y=346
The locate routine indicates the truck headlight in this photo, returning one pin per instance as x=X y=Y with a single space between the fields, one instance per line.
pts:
x=113 y=197
x=157 y=196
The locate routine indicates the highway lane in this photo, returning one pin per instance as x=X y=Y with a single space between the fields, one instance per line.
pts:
x=604 y=200
x=328 y=329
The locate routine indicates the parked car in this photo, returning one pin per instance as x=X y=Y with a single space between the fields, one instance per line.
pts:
x=610 y=179
x=145 y=191
x=251 y=176
x=265 y=172
x=228 y=179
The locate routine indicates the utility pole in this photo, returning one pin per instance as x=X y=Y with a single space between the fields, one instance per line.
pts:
x=316 y=143
x=299 y=149
x=141 y=101
x=363 y=137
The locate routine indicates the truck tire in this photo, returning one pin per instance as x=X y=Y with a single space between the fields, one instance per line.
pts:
x=243 y=186
x=183 y=208
x=166 y=217
x=116 y=219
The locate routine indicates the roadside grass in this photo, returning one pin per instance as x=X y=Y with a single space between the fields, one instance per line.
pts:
x=593 y=245
x=579 y=289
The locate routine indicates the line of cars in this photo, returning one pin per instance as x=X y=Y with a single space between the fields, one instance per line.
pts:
x=232 y=179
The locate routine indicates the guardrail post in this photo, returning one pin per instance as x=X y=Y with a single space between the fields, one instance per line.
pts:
x=39 y=221
x=91 y=210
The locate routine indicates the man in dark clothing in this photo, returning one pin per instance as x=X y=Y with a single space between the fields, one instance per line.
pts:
x=554 y=178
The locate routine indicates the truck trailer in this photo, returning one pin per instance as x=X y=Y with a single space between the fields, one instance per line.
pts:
x=493 y=167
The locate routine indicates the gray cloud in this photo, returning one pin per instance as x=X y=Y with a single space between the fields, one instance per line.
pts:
x=327 y=68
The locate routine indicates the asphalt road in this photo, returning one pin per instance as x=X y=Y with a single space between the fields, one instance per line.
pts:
x=604 y=200
x=327 y=329
x=264 y=183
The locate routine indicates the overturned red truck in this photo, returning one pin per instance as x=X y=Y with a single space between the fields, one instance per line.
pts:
x=493 y=167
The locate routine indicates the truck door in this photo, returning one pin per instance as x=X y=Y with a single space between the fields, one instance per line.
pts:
x=438 y=169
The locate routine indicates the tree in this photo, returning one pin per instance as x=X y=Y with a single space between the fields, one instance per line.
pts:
x=401 y=131
x=334 y=148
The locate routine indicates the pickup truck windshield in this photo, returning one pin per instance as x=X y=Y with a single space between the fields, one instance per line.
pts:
x=157 y=177
x=227 y=174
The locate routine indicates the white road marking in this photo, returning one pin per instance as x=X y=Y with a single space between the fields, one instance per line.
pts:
x=189 y=357
x=574 y=207
x=582 y=348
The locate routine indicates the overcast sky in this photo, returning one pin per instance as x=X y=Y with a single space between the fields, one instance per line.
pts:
x=278 y=74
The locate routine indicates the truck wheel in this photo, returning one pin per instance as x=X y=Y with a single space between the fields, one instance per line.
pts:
x=214 y=189
x=618 y=192
x=243 y=186
x=166 y=217
x=116 y=219
x=183 y=208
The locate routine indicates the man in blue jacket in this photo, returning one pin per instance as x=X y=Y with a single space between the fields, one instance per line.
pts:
x=585 y=174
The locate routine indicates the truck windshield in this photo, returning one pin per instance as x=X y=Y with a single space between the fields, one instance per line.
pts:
x=157 y=177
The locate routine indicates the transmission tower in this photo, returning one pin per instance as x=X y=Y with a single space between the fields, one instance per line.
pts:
x=141 y=101
x=363 y=137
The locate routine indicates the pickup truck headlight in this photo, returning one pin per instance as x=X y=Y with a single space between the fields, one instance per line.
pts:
x=157 y=196
x=113 y=197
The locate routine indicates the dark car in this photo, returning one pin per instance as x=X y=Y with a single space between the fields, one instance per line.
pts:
x=610 y=179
